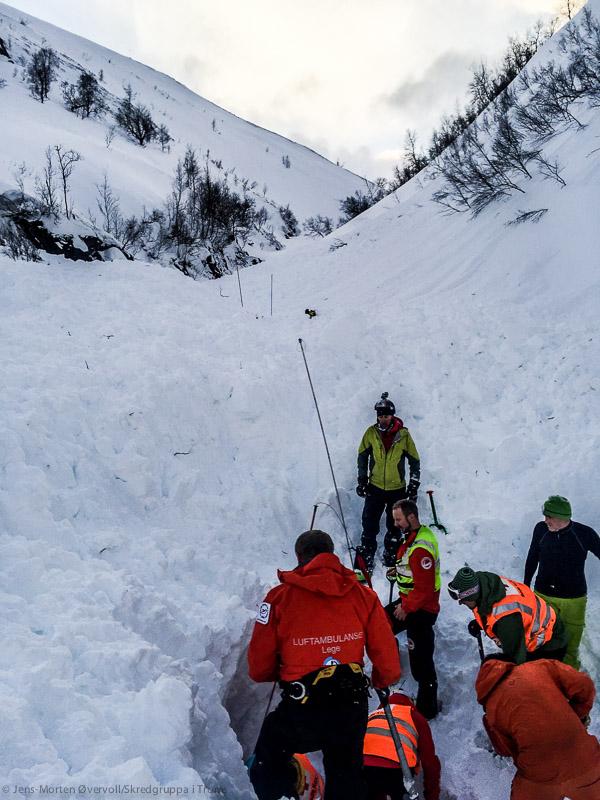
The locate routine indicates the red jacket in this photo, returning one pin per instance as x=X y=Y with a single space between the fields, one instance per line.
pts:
x=321 y=612
x=427 y=757
x=424 y=595
x=533 y=713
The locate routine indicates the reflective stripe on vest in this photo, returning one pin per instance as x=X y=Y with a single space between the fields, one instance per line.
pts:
x=538 y=616
x=426 y=540
x=379 y=741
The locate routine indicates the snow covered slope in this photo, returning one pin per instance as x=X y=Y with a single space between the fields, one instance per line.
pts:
x=142 y=176
x=160 y=453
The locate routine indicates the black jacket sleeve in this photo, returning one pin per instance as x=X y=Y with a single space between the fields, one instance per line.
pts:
x=414 y=465
x=594 y=542
x=363 y=463
x=533 y=556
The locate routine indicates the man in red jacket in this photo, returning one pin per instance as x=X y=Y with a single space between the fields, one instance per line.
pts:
x=311 y=634
x=383 y=773
x=537 y=713
x=417 y=575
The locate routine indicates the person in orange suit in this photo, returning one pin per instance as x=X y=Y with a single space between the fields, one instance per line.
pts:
x=537 y=713
x=383 y=773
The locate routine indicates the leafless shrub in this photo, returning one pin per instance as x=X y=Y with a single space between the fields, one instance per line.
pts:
x=528 y=216
x=41 y=72
x=318 y=226
x=46 y=189
x=66 y=160
x=15 y=244
x=84 y=98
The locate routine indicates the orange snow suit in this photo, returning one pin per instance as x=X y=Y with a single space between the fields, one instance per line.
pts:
x=534 y=713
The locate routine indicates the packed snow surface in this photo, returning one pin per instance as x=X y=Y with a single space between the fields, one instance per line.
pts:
x=160 y=452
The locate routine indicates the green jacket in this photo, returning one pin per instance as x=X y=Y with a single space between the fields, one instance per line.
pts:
x=509 y=630
x=387 y=470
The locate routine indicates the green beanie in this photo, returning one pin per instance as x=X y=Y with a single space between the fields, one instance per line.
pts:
x=464 y=585
x=557 y=506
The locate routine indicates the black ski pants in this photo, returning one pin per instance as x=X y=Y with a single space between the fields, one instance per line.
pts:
x=338 y=730
x=384 y=782
x=376 y=502
x=421 y=645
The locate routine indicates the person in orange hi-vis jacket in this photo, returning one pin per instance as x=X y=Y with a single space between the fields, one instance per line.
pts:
x=310 y=785
x=383 y=772
x=537 y=713
x=311 y=635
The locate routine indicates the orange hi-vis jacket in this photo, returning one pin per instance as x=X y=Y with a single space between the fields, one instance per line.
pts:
x=538 y=616
x=310 y=783
x=379 y=741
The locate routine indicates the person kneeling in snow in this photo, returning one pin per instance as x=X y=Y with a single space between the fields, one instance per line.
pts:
x=537 y=713
x=520 y=622
x=383 y=773
x=311 y=634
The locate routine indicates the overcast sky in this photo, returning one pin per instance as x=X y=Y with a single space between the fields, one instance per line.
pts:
x=346 y=77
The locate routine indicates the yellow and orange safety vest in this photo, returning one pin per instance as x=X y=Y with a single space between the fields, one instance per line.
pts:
x=538 y=616
x=379 y=741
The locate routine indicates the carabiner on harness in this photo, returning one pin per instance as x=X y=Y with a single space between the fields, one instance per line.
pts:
x=292 y=690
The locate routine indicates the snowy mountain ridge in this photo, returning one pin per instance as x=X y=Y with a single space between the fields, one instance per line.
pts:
x=276 y=171
x=161 y=452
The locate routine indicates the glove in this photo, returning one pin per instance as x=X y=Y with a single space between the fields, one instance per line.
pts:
x=391 y=574
x=474 y=628
x=391 y=543
x=384 y=696
x=413 y=489
x=360 y=576
x=361 y=489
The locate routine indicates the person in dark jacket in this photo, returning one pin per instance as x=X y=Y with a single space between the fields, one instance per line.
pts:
x=558 y=550
x=383 y=453
x=537 y=713
x=511 y=614
x=311 y=634
x=383 y=773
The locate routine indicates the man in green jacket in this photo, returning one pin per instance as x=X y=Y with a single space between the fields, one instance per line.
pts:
x=510 y=613
x=383 y=453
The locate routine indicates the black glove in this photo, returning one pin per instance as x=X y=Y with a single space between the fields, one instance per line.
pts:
x=391 y=543
x=361 y=489
x=412 y=489
x=474 y=628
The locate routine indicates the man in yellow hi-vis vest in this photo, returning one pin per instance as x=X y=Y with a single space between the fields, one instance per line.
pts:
x=417 y=575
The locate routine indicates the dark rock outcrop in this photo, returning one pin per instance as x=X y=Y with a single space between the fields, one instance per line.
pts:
x=4 y=50
x=26 y=217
